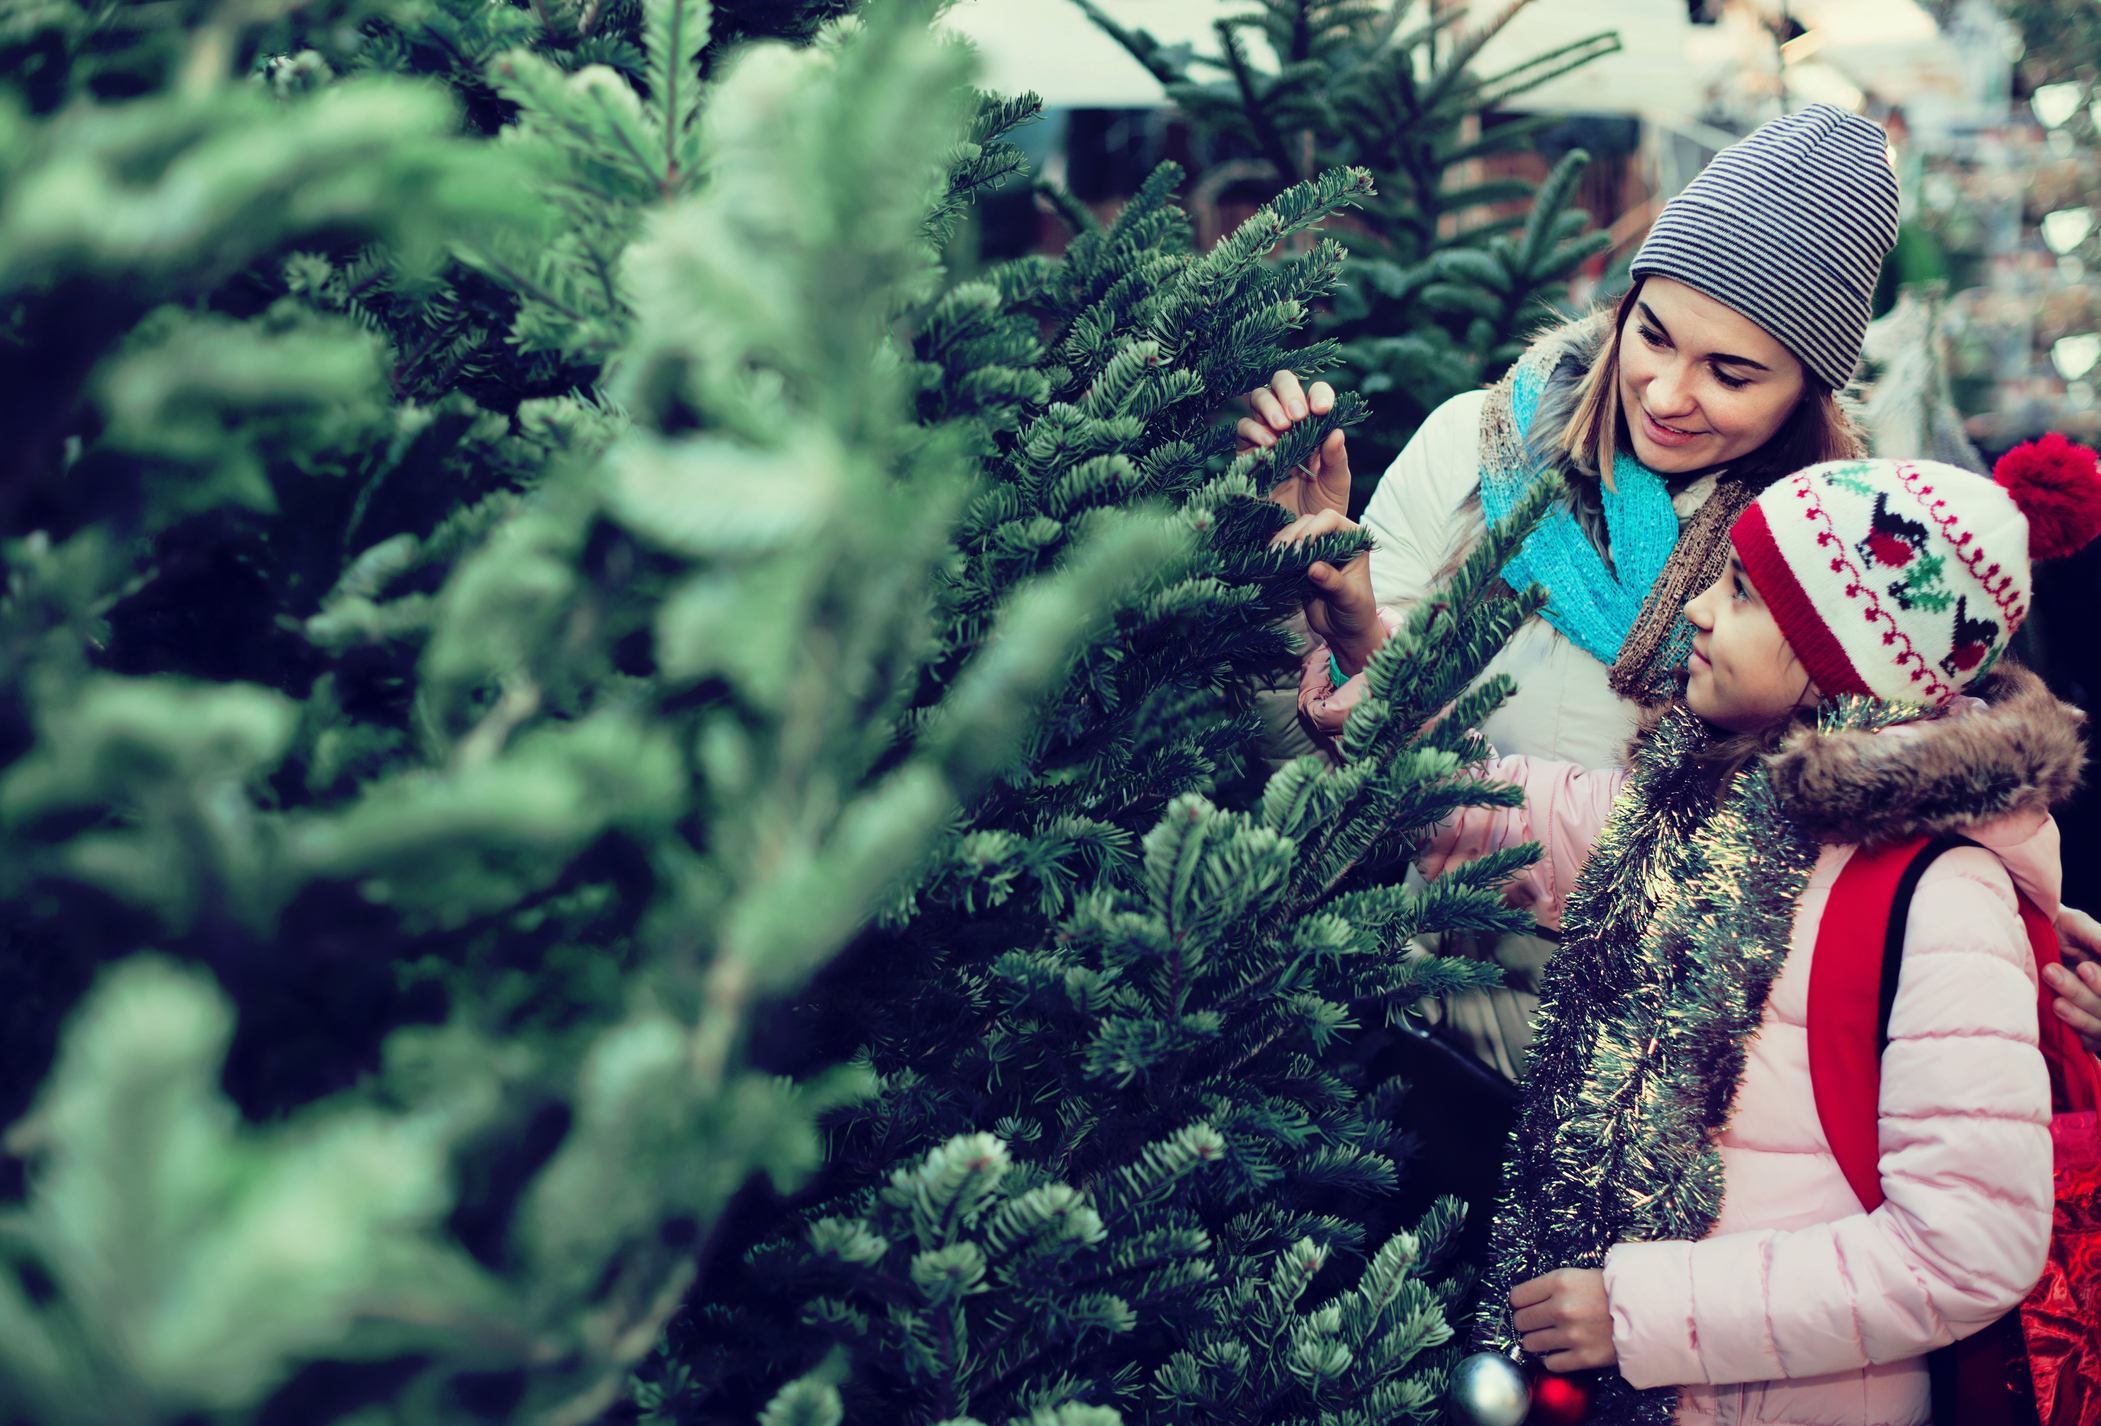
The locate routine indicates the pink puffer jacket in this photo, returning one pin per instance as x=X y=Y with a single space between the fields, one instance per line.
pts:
x=1800 y=1308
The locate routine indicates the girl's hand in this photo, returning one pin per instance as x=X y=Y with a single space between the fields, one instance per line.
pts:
x=1342 y=610
x=1323 y=482
x=1564 y=1319
x=2079 y=1000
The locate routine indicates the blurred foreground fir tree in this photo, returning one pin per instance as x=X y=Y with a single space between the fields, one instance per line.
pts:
x=1450 y=269
x=480 y=764
x=515 y=555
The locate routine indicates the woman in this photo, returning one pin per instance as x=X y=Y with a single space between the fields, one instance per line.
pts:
x=1716 y=374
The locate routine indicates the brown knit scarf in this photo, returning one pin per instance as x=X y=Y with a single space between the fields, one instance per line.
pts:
x=1647 y=668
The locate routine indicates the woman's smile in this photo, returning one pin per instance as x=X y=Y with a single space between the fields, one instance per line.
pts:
x=1664 y=435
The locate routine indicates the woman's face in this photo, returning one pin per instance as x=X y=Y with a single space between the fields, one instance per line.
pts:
x=1700 y=383
x=1742 y=675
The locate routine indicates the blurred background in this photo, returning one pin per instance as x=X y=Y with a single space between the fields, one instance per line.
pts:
x=1993 y=108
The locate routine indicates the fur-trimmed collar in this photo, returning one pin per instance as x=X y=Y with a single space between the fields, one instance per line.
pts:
x=1567 y=352
x=2012 y=750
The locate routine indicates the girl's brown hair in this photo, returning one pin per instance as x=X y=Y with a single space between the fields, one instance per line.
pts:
x=1726 y=754
x=1818 y=429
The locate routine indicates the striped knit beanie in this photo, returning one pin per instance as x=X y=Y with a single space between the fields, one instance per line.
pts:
x=1905 y=579
x=1789 y=227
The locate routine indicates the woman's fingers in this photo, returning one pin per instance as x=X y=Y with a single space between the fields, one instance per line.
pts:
x=1253 y=434
x=1271 y=409
x=1322 y=480
x=2085 y=1022
x=1284 y=401
x=1333 y=464
x=2078 y=1001
x=2079 y=934
x=1289 y=396
x=1320 y=522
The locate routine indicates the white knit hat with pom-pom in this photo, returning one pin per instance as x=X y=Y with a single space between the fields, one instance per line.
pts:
x=1906 y=579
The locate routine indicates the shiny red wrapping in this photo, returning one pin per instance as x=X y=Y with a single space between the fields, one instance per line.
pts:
x=2061 y=1320
x=1558 y=1400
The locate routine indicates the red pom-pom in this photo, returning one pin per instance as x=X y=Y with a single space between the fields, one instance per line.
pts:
x=2057 y=487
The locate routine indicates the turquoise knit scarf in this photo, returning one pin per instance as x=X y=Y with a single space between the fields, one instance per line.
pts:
x=1585 y=600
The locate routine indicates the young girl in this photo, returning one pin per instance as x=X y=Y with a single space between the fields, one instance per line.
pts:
x=1672 y=1207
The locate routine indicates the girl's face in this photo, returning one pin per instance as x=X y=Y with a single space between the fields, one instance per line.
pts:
x=1743 y=675
x=1700 y=383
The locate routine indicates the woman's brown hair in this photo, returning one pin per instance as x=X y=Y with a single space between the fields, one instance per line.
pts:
x=1818 y=429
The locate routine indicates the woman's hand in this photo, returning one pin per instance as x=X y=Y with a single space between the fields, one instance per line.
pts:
x=2079 y=935
x=2078 y=1001
x=1342 y=609
x=2078 y=983
x=1323 y=481
x=1565 y=1320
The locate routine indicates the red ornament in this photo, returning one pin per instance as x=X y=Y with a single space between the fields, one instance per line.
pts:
x=1557 y=1400
x=2058 y=488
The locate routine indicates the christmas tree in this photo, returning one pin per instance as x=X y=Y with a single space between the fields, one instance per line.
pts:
x=400 y=819
x=516 y=554
x=1450 y=268
x=1124 y=1148
x=1178 y=1204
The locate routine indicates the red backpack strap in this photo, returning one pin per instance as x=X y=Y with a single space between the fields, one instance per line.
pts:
x=1847 y=1019
x=1852 y=986
x=1853 y=983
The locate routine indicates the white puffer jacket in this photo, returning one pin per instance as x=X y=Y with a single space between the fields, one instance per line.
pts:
x=1424 y=517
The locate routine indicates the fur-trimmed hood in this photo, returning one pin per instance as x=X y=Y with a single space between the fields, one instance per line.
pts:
x=2009 y=753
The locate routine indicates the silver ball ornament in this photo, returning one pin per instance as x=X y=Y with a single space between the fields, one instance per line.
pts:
x=1488 y=1389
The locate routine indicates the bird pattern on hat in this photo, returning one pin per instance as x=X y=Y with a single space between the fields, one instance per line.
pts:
x=1906 y=579
x=1894 y=543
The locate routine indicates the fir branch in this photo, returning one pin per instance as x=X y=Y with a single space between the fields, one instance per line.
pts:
x=1258 y=116
x=1074 y=213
